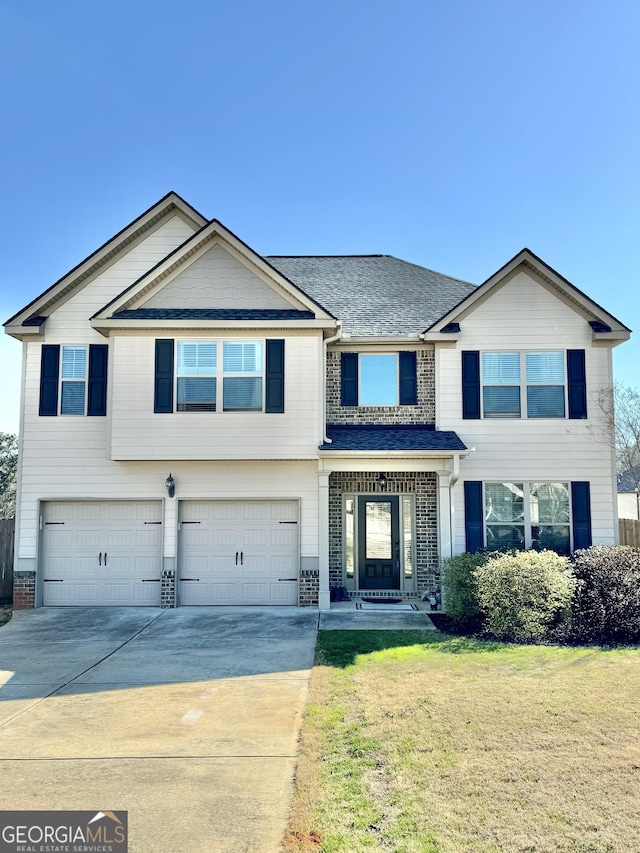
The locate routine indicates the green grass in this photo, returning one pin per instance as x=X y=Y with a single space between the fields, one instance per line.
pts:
x=418 y=742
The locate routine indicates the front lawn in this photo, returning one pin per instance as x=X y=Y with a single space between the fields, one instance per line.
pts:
x=415 y=741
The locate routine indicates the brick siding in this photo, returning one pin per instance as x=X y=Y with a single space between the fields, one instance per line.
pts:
x=309 y=587
x=423 y=413
x=423 y=485
x=24 y=590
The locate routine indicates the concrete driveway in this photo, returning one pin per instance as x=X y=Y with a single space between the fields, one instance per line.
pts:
x=187 y=718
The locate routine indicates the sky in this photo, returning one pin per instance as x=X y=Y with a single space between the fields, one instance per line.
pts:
x=450 y=133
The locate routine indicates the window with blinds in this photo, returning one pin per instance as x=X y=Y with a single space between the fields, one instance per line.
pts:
x=196 y=371
x=243 y=376
x=73 y=378
x=545 y=384
x=541 y=395
x=501 y=384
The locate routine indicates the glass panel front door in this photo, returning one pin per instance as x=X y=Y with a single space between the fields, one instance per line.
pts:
x=378 y=542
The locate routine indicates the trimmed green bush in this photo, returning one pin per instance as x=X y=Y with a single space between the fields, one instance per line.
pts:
x=460 y=592
x=524 y=596
x=606 y=604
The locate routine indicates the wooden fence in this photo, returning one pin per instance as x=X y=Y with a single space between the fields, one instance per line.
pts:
x=7 y=533
x=629 y=532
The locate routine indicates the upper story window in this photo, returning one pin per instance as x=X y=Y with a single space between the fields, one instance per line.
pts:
x=504 y=395
x=535 y=384
x=378 y=384
x=227 y=376
x=73 y=381
x=378 y=379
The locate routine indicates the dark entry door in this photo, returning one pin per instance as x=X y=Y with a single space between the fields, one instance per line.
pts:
x=378 y=542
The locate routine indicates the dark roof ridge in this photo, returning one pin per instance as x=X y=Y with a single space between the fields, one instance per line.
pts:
x=328 y=256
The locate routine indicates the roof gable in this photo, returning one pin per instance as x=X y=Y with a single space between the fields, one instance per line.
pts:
x=212 y=272
x=77 y=278
x=604 y=325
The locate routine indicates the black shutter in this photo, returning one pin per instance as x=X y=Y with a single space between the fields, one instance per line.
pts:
x=408 y=378
x=97 y=396
x=576 y=376
x=349 y=379
x=275 y=377
x=473 y=516
x=581 y=514
x=470 y=385
x=49 y=371
x=163 y=392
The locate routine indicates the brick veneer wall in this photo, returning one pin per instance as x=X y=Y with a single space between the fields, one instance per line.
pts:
x=309 y=587
x=168 y=588
x=24 y=590
x=423 y=413
x=421 y=484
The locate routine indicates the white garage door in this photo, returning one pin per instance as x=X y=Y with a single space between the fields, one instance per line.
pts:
x=102 y=553
x=238 y=552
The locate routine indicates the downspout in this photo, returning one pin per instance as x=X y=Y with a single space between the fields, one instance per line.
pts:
x=323 y=384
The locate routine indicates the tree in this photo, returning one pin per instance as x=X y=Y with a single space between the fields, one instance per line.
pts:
x=8 y=474
x=621 y=429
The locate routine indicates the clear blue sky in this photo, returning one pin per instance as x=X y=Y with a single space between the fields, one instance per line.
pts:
x=450 y=133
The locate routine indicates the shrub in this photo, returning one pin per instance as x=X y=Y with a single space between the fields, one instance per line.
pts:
x=524 y=596
x=606 y=604
x=460 y=592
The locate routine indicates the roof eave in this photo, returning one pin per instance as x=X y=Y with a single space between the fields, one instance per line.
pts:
x=395 y=454
x=108 y=325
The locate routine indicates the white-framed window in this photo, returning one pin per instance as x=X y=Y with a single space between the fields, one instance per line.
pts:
x=528 y=514
x=207 y=383
x=542 y=394
x=196 y=376
x=73 y=381
x=378 y=379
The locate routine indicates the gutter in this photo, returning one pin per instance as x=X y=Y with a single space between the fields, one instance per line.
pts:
x=323 y=382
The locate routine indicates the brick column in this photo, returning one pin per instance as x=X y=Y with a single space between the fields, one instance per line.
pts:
x=24 y=590
x=168 y=588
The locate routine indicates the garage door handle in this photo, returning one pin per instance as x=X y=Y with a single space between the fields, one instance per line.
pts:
x=287 y=522
x=100 y=558
x=236 y=558
x=189 y=579
x=54 y=580
x=150 y=580
x=105 y=558
x=287 y=579
x=242 y=558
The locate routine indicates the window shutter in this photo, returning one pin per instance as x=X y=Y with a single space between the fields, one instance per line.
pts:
x=581 y=514
x=470 y=385
x=349 y=379
x=274 y=402
x=49 y=371
x=577 y=380
x=163 y=392
x=408 y=378
x=473 y=516
x=97 y=392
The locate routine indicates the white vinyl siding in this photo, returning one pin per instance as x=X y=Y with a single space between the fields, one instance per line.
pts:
x=138 y=433
x=523 y=315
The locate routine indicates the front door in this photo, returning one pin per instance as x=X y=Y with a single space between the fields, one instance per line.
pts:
x=378 y=542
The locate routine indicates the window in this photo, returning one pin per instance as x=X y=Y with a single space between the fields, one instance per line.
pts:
x=527 y=515
x=196 y=376
x=541 y=396
x=73 y=379
x=242 y=382
x=378 y=380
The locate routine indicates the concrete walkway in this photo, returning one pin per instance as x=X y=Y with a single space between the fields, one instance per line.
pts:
x=187 y=718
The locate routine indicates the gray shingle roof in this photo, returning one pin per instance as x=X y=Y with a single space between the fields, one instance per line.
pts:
x=628 y=480
x=376 y=437
x=213 y=314
x=375 y=294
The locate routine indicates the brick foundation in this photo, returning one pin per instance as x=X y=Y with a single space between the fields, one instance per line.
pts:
x=168 y=588
x=24 y=590
x=309 y=587
x=423 y=486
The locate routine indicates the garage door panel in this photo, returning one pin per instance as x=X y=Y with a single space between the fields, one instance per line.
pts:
x=74 y=553
x=252 y=529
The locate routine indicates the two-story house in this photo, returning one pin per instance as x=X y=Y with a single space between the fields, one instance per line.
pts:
x=204 y=425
